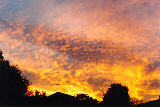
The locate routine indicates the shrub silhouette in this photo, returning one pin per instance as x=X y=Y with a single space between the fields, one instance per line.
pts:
x=35 y=98
x=117 y=94
x=135 y=101
x=13 y=85
x=84 y=99
x=60 y=99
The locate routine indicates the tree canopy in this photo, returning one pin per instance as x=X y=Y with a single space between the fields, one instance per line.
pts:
x=117 y=94
x=13 y=84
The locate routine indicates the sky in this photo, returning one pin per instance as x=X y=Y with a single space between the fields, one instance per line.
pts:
x=77 y=46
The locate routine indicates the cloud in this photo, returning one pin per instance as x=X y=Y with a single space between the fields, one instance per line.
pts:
x=32 y=77
x=152 y=67
x=97 y=82
x=83 y=45
x=152 y=84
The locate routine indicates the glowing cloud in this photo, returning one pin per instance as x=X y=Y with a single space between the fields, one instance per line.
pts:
x=84 y=46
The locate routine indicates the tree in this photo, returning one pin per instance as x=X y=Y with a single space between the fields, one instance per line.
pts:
x=13 y=85
x=117 y=94
x=135 y=101
x=36 y=98
x=61 y=99
x=84 y=99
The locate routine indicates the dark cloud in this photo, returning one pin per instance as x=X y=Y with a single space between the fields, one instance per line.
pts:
x=34 y=78
x=152 y=84
x=89 y=51
x=97 y=82
x=152 y=67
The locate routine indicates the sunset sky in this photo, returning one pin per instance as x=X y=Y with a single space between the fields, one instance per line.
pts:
x=82 y=46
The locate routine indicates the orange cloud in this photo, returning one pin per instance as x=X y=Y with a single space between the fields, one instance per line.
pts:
x=82 y=47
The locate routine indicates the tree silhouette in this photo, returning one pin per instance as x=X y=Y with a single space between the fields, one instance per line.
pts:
x=135 y=101
x=35 y=98
x=60 y=99
x=13 y=85
x=117 y=94
x=84 y=99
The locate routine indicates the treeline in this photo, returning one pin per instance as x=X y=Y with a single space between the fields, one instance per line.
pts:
x=14 y=91
x=59 y=99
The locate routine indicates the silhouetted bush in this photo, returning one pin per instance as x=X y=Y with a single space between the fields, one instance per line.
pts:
x=60 y=99
x=135 y=101
x=36 y=98
x=13 y=85
x=154 y=103
x=84 y=99
x=117 y=94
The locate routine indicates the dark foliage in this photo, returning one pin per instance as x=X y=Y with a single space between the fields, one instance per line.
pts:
x=84 y=99
x=117 y=94
x=13 y=85
x=35 y=98
x=60 y=99
x=135 y=101
x=155 y=103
